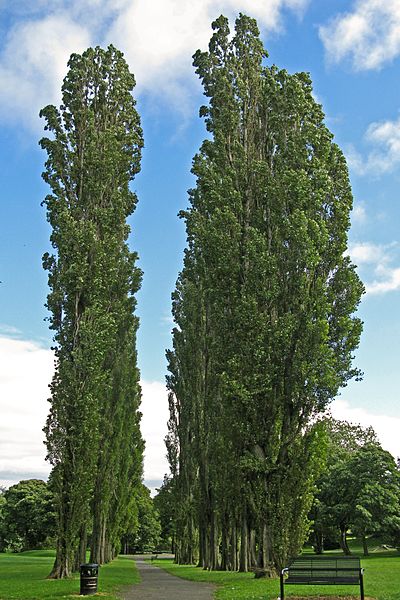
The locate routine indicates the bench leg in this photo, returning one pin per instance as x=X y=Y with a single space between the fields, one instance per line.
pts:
x=282 y=592
x=362 y=586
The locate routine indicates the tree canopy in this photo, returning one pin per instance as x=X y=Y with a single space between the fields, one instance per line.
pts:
x=358 y=490
x=27 y=516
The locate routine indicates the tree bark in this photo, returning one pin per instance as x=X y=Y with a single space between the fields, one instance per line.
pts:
x=365 y=545
x=343 y=541
x=244 y=544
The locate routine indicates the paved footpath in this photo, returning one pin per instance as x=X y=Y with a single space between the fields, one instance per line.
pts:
x=157 y=584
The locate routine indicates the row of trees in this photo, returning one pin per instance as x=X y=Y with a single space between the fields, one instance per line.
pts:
x=357 y=491
x=263 y=308
x=93 y=436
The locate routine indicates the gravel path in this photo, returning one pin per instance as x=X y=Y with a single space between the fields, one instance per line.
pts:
x=157 y=584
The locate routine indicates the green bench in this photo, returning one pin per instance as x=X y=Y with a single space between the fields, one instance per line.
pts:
x=344 y=570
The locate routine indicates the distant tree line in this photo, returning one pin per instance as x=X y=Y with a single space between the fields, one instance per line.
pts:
x=27 y=516
x=28 y=519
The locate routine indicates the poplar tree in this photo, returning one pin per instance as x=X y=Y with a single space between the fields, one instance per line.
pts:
x=264 y=310
x=92 y=431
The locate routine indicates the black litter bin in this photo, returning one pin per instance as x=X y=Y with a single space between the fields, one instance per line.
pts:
x=89 y=578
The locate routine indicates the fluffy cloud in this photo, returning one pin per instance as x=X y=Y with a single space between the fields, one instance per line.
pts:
x=367 y=253
x=386 y=428
x=376 y=264
x=26 y=371
x=384 y=157
x=154 y=429
x=158 y=37
x=359 y=213
x=388 y=281
x=369 y=34
x=33 y=64
x=25 y=374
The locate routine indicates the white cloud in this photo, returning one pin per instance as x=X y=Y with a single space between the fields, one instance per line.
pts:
x=386 y=428
x=26 y=371
x=33 y=64
x=154 y=429
x=375 y=262
x=359 y=213
x=369 y=34
x=384 y=158
x=367 y=253
x=389 y=282
x=158 y=37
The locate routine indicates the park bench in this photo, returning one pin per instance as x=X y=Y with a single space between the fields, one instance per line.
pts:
x=344 y=570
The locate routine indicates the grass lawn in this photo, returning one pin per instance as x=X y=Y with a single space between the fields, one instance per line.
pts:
x=23 y=577
x=381 y=580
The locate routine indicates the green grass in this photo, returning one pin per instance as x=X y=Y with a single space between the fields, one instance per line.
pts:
x=23 y=577
x=381 y=579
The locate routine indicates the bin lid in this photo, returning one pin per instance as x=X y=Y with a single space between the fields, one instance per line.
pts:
x=90 y=565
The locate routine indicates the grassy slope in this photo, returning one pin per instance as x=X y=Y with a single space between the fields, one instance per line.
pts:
x=23 y=577
x=381 y=579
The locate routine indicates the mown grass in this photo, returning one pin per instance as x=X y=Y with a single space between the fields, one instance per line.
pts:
x=23 y=577
x=381 y=580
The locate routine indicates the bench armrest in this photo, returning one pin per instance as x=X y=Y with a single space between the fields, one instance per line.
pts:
x=285 y=570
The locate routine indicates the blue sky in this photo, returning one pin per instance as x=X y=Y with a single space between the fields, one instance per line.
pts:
x=352 y=50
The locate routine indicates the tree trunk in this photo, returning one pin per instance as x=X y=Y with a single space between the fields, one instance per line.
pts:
x=214 y=546
x=201 y=561
x=97 y=546
x=234 y=561
x=252 y=549
x=62 y=563
x=80 y=556
x=244 y=544
x=224 y=548
x=343 y=541
x=319 y=541
x=365 y=545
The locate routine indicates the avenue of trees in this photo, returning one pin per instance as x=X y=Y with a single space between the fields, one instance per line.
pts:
x=264 y=336
x=263 y=308
x=357 y=492
x=93 y=436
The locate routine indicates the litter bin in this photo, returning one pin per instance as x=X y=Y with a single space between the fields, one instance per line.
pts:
x=89 y=577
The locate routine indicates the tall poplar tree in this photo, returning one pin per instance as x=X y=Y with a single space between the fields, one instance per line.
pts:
x=264 y=310
x=93 y=435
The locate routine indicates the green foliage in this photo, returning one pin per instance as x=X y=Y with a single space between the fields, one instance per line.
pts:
x=360 y=488
x=93 y=436
x=145 y=536
x=27 y=516
x=164 y=505
x=264 y=310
